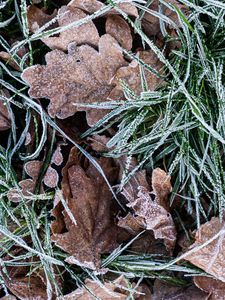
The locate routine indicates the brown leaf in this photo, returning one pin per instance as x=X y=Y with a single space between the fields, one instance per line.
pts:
x=5 y=121
x=5 y=56
x=37 y=17
x=155 y=217
x=117 y=27
x=57 y=157
x=131 y=75
x=84 y=34
x=215 y=288
x=210 y=258
x=89 y=223
x=151 y=23
x=51 y=177
x=85 y=76
x=9 y=297
x=165 y=291
x=91 y=6
x=98 y=143
x=23 y=285
x=161 y=187
x=117 y=289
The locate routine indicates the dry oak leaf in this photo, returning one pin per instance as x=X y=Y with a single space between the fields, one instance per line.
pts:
x=117 y=27
x=215 y=288
x=37 y=17
x=5 y=120
x=155 y=217
x=210 y=258
x=151 y=24
x=85 y=76
x=90 y=228
x=165 y=291
x=132 y=77
x=161 y=186
x=91 y=6
x=84 y=34
x=117 y=289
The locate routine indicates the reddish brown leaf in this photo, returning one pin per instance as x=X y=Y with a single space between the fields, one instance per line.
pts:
x=84 y=34
x=117 y=289
x=5 y=121
x=165 y=291
x=9 y=297
x=215 y=288
x=98 y=143
x=117 y=27
x=57 y=157
x=37 y=17
x=161 y=187
x=210 y=258
x=85 y=76
x=51 y=177
x=151 y=24
x=132 y=77
x=155 y=217
x=92 y=6
x=88 y=219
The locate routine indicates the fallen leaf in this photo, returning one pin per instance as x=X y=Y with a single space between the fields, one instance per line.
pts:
x=5 y=56
x=215 y=288
x=98 y=143
x=151 y=23
x=154 y=217
x=91 y=6
x=161 y=186
x=37 y=17
x=9 y=297
x=51 y=177
x=132 y=77
x=165 y=291
x=57 y=157
x=118 y=28
x=5 y=120
x=90 y=230
x=85 y=76
x=210 y=258
x=117 y=289
x=84 y=34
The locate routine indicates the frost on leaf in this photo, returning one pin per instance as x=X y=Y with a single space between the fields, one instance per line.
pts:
x=37 y=17
x=117 y=27
x=210 y=258
x=90 y=230
x=81 y=76
x=5 y=121
x=91 y=6
x=161 y=186
x=83 y=34
x=119 y=289
x=151 y=24
x=131 y=75
x=146 y=212
x=215 y=288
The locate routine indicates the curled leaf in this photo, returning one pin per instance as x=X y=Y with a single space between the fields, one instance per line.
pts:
x=5 y=120
x=85 y=76
x=210 y=258
x=131 y=75
x=88 y=219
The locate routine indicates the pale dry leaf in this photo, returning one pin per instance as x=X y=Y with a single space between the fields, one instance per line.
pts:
x=155 y=217
x=131 y=75
x=85 y=76
x=210 y=258
x=9 y=297
x=5 y=120
x=117 y=27
x=91 y=6
x=165 y=291
x=51 y=178
x=57 y=157
x=84 y=34
x=215 y=288
x=151 y=24
x=161 y=186
x=90 y=201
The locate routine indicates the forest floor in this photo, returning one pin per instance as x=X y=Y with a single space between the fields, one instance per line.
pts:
x=112 y=149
